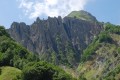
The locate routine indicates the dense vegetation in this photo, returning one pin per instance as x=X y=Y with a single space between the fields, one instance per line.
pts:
x=44 y=71
x=11 y=53
x=30 y=67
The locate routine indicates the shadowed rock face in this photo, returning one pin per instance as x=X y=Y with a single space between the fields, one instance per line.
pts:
x=56 y=40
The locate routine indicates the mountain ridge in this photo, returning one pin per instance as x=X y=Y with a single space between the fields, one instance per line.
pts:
x=56 y=39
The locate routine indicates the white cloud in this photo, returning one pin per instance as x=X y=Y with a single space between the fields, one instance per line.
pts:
x=35 y=8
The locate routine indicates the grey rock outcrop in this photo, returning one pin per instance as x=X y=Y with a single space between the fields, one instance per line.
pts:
x=56 y=40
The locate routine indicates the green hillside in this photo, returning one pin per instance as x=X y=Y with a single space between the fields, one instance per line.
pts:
x=83 y=15
x=11 y=53
x=100 y=61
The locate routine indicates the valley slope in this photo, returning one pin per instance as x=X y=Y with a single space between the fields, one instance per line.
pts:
x=101 y=59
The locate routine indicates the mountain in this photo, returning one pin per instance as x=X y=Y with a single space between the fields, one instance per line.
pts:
x=82 y=47
x=101 y=59
x=83 y=15
x=57 y=40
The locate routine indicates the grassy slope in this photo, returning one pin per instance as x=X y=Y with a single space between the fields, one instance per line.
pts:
x=83 y=15
x=10 y=73
x=104 y=61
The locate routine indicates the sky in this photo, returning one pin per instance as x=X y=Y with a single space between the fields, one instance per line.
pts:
x=28 y=10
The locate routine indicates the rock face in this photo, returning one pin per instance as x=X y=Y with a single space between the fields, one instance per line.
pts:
x=56 y=40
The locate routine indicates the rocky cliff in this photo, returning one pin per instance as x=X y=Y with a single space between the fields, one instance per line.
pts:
x=57 y=40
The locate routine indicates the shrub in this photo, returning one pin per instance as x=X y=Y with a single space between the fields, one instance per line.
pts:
x=44 y=71
x=105 y=37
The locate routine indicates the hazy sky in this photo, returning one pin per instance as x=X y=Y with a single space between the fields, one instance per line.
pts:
x=27 y=10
